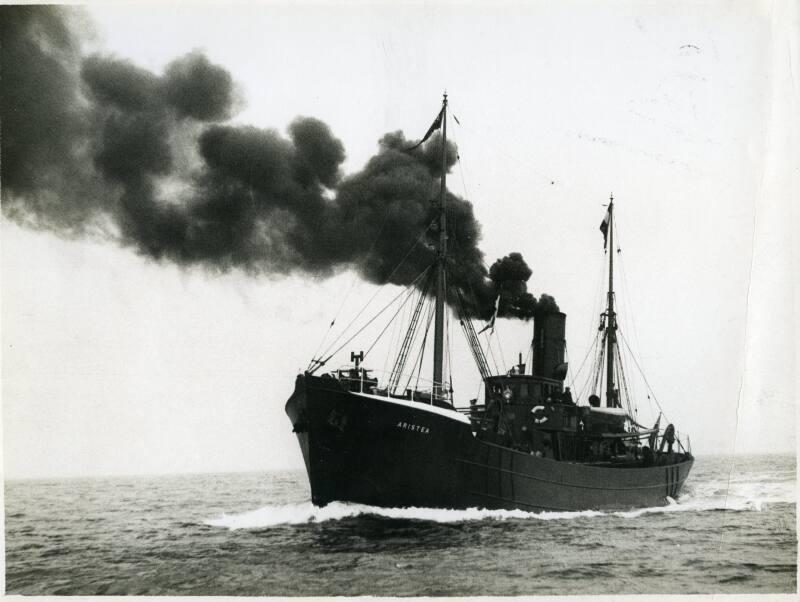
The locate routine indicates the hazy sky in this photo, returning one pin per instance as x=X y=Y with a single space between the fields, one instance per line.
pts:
x=113 y=363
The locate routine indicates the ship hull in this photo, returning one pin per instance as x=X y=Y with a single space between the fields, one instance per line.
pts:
x=396 y=453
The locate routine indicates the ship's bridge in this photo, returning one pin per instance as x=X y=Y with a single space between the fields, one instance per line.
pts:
x=526 y=388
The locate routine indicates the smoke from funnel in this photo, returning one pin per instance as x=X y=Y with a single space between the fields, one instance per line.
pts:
x=92 y=144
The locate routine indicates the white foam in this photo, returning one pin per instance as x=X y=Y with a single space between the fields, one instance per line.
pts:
x=294 y=514
x=740 y=495
x=287 y=514
x=743 y=491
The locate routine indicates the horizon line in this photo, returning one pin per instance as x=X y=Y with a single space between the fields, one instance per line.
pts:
x=49 y=477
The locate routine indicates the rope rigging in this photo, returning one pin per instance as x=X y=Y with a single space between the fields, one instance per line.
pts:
x=385 y=328
x=472 y=338
x=649 y=388
x=352 y=284
x=421 y=353
x=402 y=356
x=316 y=364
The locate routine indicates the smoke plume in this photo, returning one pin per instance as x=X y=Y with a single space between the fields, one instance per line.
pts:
x=97 y=145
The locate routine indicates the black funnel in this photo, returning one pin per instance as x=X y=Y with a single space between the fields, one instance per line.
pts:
x=549 y=345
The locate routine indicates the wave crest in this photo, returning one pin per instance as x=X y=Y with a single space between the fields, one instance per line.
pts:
x=712 y=495
x=306 y=512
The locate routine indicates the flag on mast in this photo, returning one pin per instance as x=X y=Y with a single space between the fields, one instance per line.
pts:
x=604 y=227
x=490 y=323
x=437 y=123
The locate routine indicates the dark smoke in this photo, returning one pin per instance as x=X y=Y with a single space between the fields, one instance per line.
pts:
x=98 y=145
x=509 y=276
x=46 y=177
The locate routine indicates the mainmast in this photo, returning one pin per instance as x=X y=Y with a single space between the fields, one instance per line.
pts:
x=611 y=317
x=441 y=285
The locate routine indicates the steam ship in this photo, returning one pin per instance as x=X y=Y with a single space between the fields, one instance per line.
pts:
x=527 y=444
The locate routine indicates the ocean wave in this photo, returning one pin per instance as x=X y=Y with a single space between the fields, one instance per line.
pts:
x=700 y=497
x=741 y=493
x=294 y=514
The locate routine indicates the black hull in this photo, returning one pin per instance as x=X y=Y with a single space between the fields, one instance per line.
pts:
x=392 y=453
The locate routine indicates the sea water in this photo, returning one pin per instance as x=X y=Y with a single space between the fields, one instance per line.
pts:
x=732 y=531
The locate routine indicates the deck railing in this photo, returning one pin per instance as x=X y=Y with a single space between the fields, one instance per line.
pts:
x=373 y=382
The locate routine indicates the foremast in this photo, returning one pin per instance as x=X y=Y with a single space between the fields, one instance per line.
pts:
x=611 y=316
x=441 y=274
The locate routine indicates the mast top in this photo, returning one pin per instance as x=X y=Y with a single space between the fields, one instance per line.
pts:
x=441 y=287
x=611 y=317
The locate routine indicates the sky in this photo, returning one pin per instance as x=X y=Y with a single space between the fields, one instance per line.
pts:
x=114 y=362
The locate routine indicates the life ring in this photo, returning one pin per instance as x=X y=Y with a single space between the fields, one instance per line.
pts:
x=540 y=418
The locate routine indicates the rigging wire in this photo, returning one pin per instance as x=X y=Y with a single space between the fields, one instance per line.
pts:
x=650 y=389
x=421 y=355
x=591 y=340
x=352 y=284
x=598 y=345
x=371 y=299
x=393 y=339
x=466 y=317
x=599 y=372
x=394 y=346
x=463 y=316
x=622 y=384
x=592 y=347
x=569 y=368
x=407 y=291
x=488 y=338
x=629 y=310
x=480 y=131
x=461 y=171
x=502 y=354
x=629 y=314
x=529 y=355
x=466 y=193
x=448 y=356
x=385 y=328
x=416 y=365
x=473 y=342
x=629 y=318
x=445 y=285
x=629 y=384
x=411 y=331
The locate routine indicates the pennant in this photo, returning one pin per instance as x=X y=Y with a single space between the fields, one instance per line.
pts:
x=437 y=123
x=604 y=227
x=490 y=323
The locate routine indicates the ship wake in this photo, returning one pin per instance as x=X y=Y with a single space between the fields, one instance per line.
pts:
x=708 y=496
x=306 y=512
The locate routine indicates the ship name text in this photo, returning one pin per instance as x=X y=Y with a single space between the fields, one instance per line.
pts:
x=413 y=427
